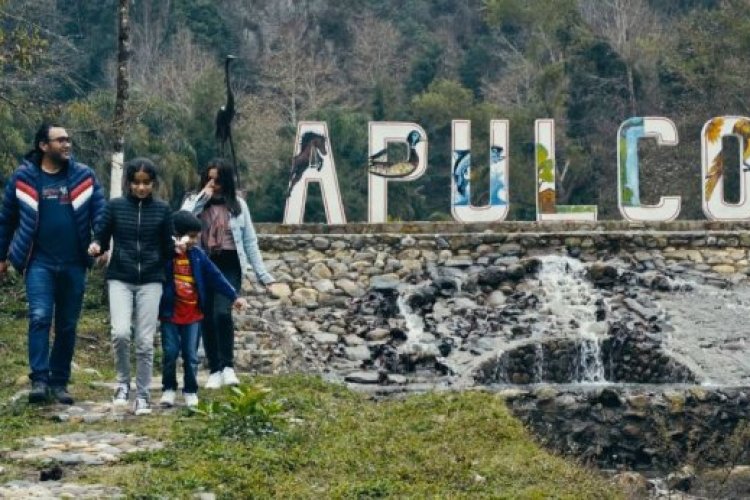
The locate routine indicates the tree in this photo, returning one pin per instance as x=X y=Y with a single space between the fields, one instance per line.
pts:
x=118 y=121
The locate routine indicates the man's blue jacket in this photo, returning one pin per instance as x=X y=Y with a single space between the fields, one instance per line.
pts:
x=19 y=213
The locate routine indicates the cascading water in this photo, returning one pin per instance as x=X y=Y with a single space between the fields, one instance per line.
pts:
x=570 y=300
x=418 y=344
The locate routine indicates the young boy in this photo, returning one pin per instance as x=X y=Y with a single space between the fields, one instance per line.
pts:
x=190 y=275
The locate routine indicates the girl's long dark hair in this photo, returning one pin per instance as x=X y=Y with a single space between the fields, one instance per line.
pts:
x=225 y=178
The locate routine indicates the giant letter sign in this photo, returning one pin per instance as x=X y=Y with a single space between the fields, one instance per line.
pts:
x=461 y=207
x=628 y=191
x=712 y=168
x=381 y=169
x=547 y=208
x=313 y=162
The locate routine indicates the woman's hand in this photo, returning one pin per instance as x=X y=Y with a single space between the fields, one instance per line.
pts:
x=208 y=189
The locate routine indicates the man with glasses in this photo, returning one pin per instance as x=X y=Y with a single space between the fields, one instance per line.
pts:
x=49 y=209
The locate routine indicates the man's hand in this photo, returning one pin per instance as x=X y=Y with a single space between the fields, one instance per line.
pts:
x=94 y=249
x=240 y=303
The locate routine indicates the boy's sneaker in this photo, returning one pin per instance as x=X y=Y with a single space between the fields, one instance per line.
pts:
x=121 y=395
x=191 y=399
x=38 y=393
x=167 y=398
x=61 y=395
x=214 y=381
x=141 y=407
x=228 y=377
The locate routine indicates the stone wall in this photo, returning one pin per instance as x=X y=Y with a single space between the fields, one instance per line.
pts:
x=642 y=428
x=325 y=269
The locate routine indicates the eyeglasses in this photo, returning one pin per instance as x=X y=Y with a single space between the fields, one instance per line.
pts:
x=61 y=140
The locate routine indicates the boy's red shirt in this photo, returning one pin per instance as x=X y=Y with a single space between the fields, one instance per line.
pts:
x=186 y=309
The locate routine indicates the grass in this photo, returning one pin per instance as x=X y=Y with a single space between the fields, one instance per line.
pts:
x=328 y=442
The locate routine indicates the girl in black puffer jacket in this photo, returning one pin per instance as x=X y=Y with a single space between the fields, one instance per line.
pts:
x=141 y=229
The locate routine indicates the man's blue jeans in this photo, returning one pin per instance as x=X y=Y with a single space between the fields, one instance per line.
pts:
x=176 y=340
x=53 y=291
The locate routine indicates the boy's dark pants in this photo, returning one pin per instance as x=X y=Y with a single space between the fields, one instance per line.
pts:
x=176 y=340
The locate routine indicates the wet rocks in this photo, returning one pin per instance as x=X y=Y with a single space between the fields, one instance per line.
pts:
x=638 y=427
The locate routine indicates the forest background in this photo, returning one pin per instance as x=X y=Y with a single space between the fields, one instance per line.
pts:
x=588 y=64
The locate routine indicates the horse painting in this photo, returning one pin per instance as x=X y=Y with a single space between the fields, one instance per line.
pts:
x=312 y=150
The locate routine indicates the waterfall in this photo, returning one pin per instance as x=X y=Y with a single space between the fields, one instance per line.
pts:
x=417 y=344
x=569 y=299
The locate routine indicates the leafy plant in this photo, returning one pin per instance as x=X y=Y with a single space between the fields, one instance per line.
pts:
x=249 y=411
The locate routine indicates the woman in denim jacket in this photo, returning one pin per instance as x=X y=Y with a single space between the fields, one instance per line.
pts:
x=228 y=237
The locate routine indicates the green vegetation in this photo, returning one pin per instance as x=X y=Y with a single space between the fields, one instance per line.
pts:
x=589 y=67
x=296 y=436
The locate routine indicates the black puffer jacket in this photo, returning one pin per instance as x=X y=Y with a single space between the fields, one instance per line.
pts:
x=142 y=235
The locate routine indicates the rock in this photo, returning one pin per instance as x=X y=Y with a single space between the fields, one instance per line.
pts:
x=320 y=243
x=280 y=290
x=496 y=299
x=634 y=484
x=353 y=340
x=384 y=282
x=363 y=377
x=378 y=334
x=306 y=297
x=320 y=271
x=681 y=480
x=357 y=353
x=350 y=287
x=492 y=276
x=326 y=338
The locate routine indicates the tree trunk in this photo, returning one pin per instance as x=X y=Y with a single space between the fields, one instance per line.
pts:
x=631 y=91
x=118 y=122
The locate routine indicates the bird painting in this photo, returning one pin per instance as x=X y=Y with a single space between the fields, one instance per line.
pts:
x=461 y=168
x=224 y=118
x=312 y=151
x=740 y=129
x=379 y=165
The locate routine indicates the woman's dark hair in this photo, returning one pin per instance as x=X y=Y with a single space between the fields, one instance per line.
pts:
x=225 y=178
x=139 y=165
x=185 y=222
x=42 y=135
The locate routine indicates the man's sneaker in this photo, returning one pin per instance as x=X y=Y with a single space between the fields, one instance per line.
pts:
x=167 y=398
x=38 y=393
x=191 y=399
x=228 y=377
x=61 y=395
x=141 y=407
x=214 y=381
x=121 y=395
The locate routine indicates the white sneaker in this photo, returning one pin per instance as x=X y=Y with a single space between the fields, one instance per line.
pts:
x=191 y=399
x=228 y=377
x=121 y=395
x=167 y=398
x=214 y=381
x=141 y=407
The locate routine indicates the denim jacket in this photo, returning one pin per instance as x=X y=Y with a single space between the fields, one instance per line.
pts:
x=243 y=233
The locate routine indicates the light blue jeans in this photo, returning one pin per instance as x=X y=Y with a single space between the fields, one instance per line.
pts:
x=134 y=309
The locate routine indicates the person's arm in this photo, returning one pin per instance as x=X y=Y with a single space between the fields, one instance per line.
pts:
x=103 y=233
x=250 y=244
x=98 y=204
x=213 y=276
x=166 y=230
x=196 y=202
x=8 y=221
